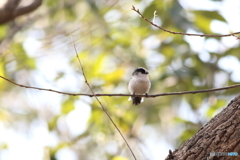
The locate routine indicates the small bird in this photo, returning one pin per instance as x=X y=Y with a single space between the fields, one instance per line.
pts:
x=139 y=84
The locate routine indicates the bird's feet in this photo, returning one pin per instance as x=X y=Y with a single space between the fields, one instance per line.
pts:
x=146 y=95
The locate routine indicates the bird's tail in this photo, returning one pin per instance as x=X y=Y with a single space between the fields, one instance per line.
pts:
x=136 y=100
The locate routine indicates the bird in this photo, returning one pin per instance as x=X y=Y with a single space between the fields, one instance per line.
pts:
x=139 y=84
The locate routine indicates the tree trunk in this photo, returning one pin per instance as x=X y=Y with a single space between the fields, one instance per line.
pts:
x=221 y=135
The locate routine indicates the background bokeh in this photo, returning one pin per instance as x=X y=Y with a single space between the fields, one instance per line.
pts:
x=112 y=40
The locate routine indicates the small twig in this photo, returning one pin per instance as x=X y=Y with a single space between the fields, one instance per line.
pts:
x=126 y=95
x=100 y=101
x=170 y=154
x=238 y=37
x=188 y=34
x=154 y=16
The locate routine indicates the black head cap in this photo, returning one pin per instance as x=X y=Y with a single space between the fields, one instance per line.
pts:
x=142 y=70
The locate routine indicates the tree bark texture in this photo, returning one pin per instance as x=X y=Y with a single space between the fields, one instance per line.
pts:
x=11 y=9
x=220 y=134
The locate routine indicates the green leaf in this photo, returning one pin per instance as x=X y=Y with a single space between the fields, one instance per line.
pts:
x=203 y=19
x=70 y=14
x=211 y=15
x=119 y=158
x=3 y=31
x=212 y=109
x=52 y=124
x=23 y=60
x=3 y=146
x=2 y=72
x=68 y=106
x=203 y=23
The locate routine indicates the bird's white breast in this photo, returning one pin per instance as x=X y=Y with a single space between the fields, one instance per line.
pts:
x=139 y=84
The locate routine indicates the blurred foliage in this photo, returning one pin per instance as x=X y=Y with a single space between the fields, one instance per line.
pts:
x=111 y=41
x=68 y=105
x=119 y=158
x=3 y=31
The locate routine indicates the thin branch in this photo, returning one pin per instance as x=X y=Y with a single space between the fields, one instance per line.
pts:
x=188 y=34
x=238 y=37
x=100 y=101
x=126 y=95
x=11 y=10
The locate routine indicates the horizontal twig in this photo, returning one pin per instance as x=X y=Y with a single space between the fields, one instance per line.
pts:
x=182 y=33
x=126 y=95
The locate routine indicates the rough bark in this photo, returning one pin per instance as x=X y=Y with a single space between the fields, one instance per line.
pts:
x=11 y=10
x=220 y=134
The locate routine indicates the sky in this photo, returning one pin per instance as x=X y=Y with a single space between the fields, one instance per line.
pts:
x=20 y=144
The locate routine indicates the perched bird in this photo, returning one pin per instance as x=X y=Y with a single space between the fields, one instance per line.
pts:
x=139 y=84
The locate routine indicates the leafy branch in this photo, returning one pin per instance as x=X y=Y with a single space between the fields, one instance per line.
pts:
x=188 y=34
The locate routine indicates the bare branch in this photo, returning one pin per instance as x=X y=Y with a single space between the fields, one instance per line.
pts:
x=27 y=9
x=188 y=34
x=11 y=10
x=126 y=95
x=100 y=101
x=238 y=37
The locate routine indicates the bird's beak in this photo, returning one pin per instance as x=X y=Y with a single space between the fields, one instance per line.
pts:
x=147 y=72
